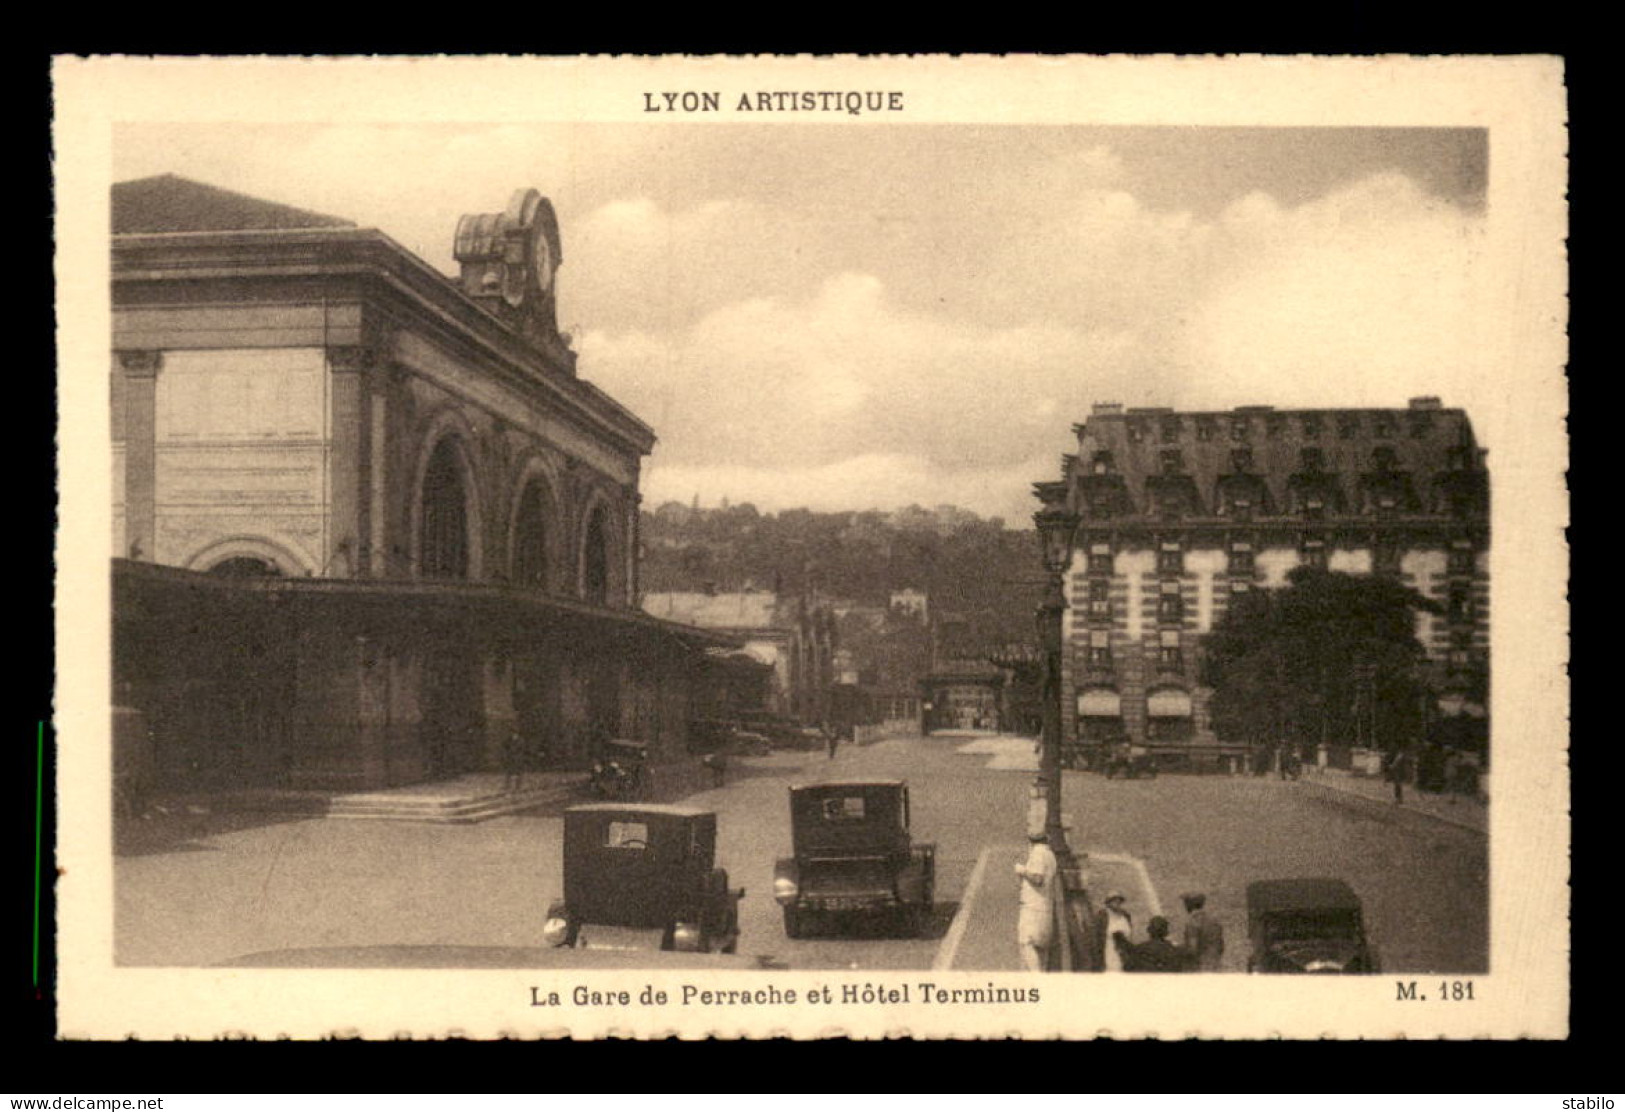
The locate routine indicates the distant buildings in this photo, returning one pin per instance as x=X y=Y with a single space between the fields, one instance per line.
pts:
x=368 y=521
x=1182 y=512
x=795 y=636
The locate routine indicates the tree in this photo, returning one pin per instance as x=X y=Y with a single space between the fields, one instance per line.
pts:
x=1329 y=659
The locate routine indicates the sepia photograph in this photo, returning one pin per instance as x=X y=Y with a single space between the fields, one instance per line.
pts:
x=766 y=549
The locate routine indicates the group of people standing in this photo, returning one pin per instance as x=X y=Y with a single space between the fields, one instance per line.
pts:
x=1202 y=950
x=1039 y=878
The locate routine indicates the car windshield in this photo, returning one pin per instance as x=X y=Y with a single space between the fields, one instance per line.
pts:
x=1301 y=925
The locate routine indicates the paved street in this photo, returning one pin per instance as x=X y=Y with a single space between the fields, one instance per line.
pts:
x=211 y=888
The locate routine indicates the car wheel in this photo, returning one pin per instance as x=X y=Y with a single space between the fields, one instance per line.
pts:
x=794 y=923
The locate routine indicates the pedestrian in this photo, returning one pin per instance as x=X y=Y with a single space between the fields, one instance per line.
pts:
x=1035 y=924
x=833 y=738
x=1399 y=766
x=1204 y=935
x=513 y=761
x=1156 y=954
x=1113 y=921
x=718 y=764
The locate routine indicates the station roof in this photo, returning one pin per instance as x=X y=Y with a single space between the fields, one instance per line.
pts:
x=171 y=203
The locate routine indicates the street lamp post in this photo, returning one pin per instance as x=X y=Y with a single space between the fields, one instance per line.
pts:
x=1057 y=525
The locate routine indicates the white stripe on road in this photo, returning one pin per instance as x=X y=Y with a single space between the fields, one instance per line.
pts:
x=956 y=930
x=1151 y=899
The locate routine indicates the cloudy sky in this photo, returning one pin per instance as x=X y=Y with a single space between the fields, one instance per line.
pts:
x=849 y=317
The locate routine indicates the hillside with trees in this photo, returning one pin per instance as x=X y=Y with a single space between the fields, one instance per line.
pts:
x=973 y=569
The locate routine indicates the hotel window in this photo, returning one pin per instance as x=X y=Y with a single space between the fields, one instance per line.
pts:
x=1461 y=559
x=1460 y=658
x=1170 y=429
x=1459 y=607
x=1204 y=428
x=1314 y=555
x=1239 y=428
x=1173 y=462
x=1136 y=431
x=1275 y=426
x=1385 y=559
x=1170 y=603
x=1348 y=426
x=1314 y=505
x=1311 y=427
x=1384 y=459
x=1168 y=652
x=1100 y=559
x=1241 y=461
x=1386 y=427
x=1239 y=588
x=1170 y=559
x=1100 y=647
x=1312 y=460
x=1421 y=424
x=1100 y=599
x=1456 y=458
x=1241 y=559
x=1242 y=508
x=1101 y=464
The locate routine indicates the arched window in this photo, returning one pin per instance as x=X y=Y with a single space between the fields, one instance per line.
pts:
x=595 y=559
x=245 y=567
x=444 y=529
x=530 y=538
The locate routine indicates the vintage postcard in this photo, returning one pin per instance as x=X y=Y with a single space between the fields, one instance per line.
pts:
x=953 y=547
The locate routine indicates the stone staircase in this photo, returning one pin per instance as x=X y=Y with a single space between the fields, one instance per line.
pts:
x=466 y=799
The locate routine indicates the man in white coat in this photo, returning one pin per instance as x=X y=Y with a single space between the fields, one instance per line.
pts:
x=1035 y=926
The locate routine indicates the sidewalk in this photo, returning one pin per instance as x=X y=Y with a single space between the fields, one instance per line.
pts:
x=1470 y=814
x=473 y=797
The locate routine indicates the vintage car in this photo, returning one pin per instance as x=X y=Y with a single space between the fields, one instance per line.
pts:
x=1307 y=925
x=620 y=771
x=643 y=877
x=853 y=854
x=1130 y=762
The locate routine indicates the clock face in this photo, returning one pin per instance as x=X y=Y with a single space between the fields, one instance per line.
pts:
x=541 y=258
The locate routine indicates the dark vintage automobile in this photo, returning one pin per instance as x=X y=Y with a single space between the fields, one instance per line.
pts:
x=853 y=854
x=620 y=770
x=1130 y=762
x=1308 y=925
x=643 y=877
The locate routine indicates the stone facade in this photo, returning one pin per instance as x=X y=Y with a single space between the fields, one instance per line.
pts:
x=1183 y=512
x=299 y=399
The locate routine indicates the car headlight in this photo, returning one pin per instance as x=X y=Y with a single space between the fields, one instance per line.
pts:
x=686 y=937
x=785 y=889
x=555 y=931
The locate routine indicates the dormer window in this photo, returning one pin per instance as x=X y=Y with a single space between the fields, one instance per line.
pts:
x=1170 y=559
x=1241 y=559
x=1173 y=462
